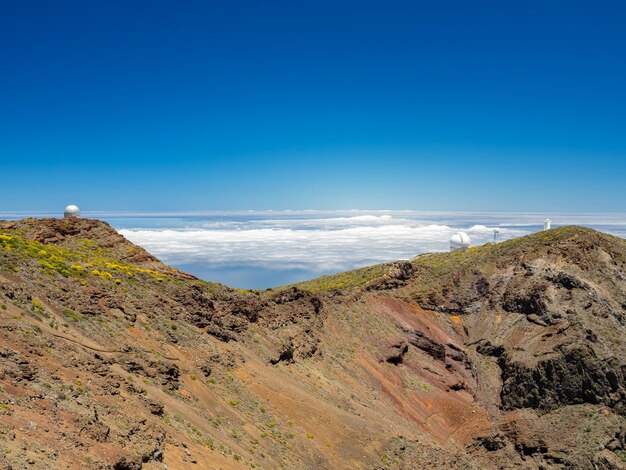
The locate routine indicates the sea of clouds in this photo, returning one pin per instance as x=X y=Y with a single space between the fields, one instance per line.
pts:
x=319 y=248
x=260 y=249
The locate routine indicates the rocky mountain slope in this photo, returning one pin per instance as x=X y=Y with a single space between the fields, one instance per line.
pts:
x=503 y=356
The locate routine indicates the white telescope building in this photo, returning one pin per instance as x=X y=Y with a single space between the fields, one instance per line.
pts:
x=71 y=211
x=459 y=241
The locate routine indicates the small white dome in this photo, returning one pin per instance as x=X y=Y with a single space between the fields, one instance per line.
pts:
x=72 y=211
x=459 y=241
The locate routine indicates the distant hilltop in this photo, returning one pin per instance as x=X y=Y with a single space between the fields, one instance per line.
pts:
x=507 y=355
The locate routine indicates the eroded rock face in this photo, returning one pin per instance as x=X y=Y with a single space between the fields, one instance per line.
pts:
x=429 y=346
x=551 y=440
x=297 y=316
x=166 y=372
x=397 y=275
x=15 y=366
x=545 y=329
x=394 y=353
x=578 y=376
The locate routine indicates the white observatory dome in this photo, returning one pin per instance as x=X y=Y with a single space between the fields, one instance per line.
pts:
x=72 y=211
x=459 y=241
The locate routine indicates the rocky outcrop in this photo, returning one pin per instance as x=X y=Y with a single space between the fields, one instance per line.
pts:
x=296 y=317
x=578 y=376
x=396 y=275
x=395 y=353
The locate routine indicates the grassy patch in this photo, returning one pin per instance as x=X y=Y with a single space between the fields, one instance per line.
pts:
x=72 y=315
x=349 y=280
x=85 y=260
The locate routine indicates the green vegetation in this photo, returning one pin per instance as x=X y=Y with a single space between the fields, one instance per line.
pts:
x=448 y=261
x=72 y=315
x=82 y=261
x=349 y=280
x=505 y=250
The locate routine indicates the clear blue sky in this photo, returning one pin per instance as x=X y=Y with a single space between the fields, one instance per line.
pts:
x=202 y=105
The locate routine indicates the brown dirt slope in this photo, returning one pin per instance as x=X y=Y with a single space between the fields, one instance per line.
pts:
x=504 y=356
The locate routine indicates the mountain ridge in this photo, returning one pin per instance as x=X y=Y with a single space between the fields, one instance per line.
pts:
x=461 y=360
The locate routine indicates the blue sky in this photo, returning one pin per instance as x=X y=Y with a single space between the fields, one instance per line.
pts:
x=165 y=106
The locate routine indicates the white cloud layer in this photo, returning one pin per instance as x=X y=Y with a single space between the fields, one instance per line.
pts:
x=313 y=244
x=259 y=249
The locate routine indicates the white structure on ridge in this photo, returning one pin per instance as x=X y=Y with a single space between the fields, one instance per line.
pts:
x=547 y=224
x=71 y=211
x=496 y=232
x=459 y=241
